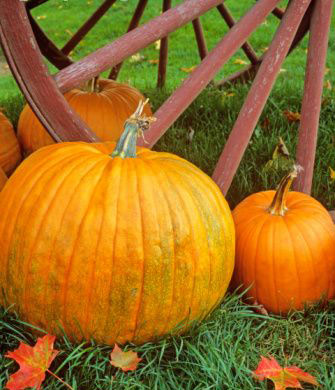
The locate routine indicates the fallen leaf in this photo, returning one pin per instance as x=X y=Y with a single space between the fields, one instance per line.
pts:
x=69 y=32
x=157 y=44
x=188 y=70
x=259 y=308
x=41 y=17
x=282 y=70
x=239 y=61
x=33 y=362
x=327 y=70
x=280 y=150
x=190 y=135
x=153 y=61
x=292 y=116
x=266 y=123
x=327 y=84
x=127 y=361
x=281 y=158
x=228 y=94
x=137 y=58
x=331 y=174
x=282 y=377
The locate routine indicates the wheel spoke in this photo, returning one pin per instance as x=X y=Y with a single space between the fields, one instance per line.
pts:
x=47 y=47
x=249 y=51
x=249 y=72
x=40 y=90
x=253 y=106
x=131 y=43
x=163 y=52
x=35 y=3
x=241 y=76
x=199 y=35
x=132 y=25
x=205 y=72
x=311 y=103
x=278 y=12
x=87 y=26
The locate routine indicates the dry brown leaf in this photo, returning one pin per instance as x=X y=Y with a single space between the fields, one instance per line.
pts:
x=239 y=61
x=228 y=94
x=327 y=84
x=190 y=135
x=188 y=70
x=266 y=123
x=138 y=57
x=292 y=116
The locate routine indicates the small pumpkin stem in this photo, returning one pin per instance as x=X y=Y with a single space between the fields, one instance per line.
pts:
x=133 y=127
x=92 y=85
x=278 y=205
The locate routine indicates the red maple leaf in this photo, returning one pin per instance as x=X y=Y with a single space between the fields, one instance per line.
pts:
x=33 y=362
x=127 y=361
x=282 y=377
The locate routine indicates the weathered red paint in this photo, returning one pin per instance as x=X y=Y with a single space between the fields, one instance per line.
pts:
x=131 y=43
x=311 y=103
x=62 y=123
x=25 y=60
x=205 y=72
x=247 y=119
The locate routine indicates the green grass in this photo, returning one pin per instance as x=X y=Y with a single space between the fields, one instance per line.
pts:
x=224 y=349
x=218 y=354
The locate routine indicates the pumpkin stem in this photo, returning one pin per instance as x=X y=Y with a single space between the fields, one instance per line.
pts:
x=133 y=127
x=92 y=85
x=278 y=205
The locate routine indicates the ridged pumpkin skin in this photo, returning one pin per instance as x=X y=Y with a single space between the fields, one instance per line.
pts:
x=118 y=249
x=3 y=179
x=289 y=261
x=104 y=111
x=10 y=154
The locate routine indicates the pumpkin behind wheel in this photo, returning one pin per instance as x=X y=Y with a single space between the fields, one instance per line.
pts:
x=10 y=154
x=120 y=247
x=3 y=179
x=104 y=106
x=285 y=249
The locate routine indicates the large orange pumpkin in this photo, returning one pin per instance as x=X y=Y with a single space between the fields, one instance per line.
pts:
x=119 y=247
x=3 y=179
x=104 y=107
x=10 y=154
x=285 y=249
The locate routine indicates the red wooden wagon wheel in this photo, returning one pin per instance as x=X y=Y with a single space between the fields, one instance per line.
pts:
x=24 y=43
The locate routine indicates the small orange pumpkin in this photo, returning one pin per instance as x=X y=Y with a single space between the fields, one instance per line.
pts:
x=285 y=249
x=118 y=247
x=10 y=154
x=104 y=106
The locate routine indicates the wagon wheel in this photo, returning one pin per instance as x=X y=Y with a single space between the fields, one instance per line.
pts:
x=44 y=92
